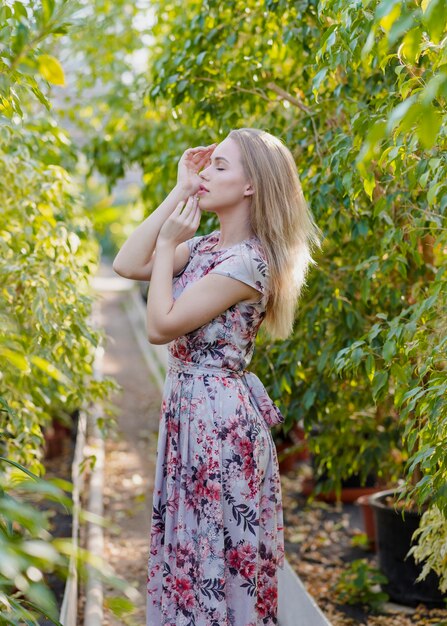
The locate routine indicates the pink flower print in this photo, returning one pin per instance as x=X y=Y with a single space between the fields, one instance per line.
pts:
x=172 y=503
x=266 y=514
x=202 y=473
x=181 y=585
x=270 y=595
x=187 y=601
x=244 y=446
x=169 y=580
x=234 y=558
x=247 y=552
x=248 y=469
x=262 y=606
x=233 y=472
x=234 y=437
x=173 y=427
x=213 y=490
x=233 y=422
x=183 y=352
x=204 y=547
x=184 y=554
x=269 y=568
x=199 y=489
x=248 y=569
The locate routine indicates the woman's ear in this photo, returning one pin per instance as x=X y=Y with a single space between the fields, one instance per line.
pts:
x=249 y=191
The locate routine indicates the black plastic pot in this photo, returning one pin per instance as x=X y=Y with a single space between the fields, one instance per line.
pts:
x=393 y=535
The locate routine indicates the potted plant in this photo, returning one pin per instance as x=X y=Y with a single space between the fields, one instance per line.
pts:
x=61 y=428
x=396 y=523
x=366 y=460
x=413 y=376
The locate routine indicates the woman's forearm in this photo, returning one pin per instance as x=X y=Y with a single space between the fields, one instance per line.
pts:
x=137 y=250
x=159 y=297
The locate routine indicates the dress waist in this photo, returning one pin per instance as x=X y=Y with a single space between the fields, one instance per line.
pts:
x=257 y=393
x=177 y=365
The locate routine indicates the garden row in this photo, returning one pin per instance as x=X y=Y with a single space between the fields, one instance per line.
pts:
x=359 y=94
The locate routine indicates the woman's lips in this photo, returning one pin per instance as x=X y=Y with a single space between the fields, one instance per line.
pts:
x=202 y=190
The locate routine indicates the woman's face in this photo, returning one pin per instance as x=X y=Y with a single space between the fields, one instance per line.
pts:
x=224 y=182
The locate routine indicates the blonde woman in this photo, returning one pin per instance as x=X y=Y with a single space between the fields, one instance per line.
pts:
x=217 y=525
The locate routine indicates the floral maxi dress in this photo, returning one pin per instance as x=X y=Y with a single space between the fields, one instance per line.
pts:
x=216 y=539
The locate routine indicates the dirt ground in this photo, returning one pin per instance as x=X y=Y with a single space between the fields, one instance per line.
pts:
x=321 y=539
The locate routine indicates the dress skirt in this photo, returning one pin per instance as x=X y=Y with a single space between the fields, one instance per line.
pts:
x=216 y=539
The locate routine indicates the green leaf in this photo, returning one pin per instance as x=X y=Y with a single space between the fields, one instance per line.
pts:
x=387 y=13
x=379 y=381
x=389 y=350
x=20 y=467
x=429 y=126
x=49 y=369
x=200 y=57
x=51 y=69
x=411 y=45
x=434 y=18
x=120 y=606
x=369 y=183
x=47 y=9
x=317 y=80
x=370 y=367
x=16 y=358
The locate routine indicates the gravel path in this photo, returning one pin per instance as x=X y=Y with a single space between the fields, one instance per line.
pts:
x=130 y=454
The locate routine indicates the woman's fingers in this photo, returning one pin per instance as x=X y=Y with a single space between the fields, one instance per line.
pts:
x=195 y=211
x=197 y=216
x=198 y=149
x=189 y=209
x=204 y=163
x=198 y=157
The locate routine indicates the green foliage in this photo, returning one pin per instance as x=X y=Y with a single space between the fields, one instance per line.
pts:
x=360 y=584
x=25 y=69
x=431 y=549
x=30 y=553
x=358 y=92
x=47 y=256
x=27 y=549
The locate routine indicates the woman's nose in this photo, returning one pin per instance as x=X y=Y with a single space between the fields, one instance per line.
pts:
x=204 y=172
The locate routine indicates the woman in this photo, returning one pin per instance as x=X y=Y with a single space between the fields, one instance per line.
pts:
x=217 y=525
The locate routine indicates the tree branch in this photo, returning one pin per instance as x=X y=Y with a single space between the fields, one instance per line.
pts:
x=287 y=96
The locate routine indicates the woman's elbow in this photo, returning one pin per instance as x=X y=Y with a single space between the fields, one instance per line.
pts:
x=119 y=270
x=154 y=339
x=156 y=336
x=157 y=340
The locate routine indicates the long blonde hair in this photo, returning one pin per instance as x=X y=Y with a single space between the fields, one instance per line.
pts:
x=282 y=221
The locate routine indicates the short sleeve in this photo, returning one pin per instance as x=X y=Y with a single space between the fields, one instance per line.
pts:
x=246 y=265
x=193 y=243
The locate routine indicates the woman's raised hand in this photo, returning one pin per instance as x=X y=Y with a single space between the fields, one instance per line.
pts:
x=182 y=224
x=191 y=163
